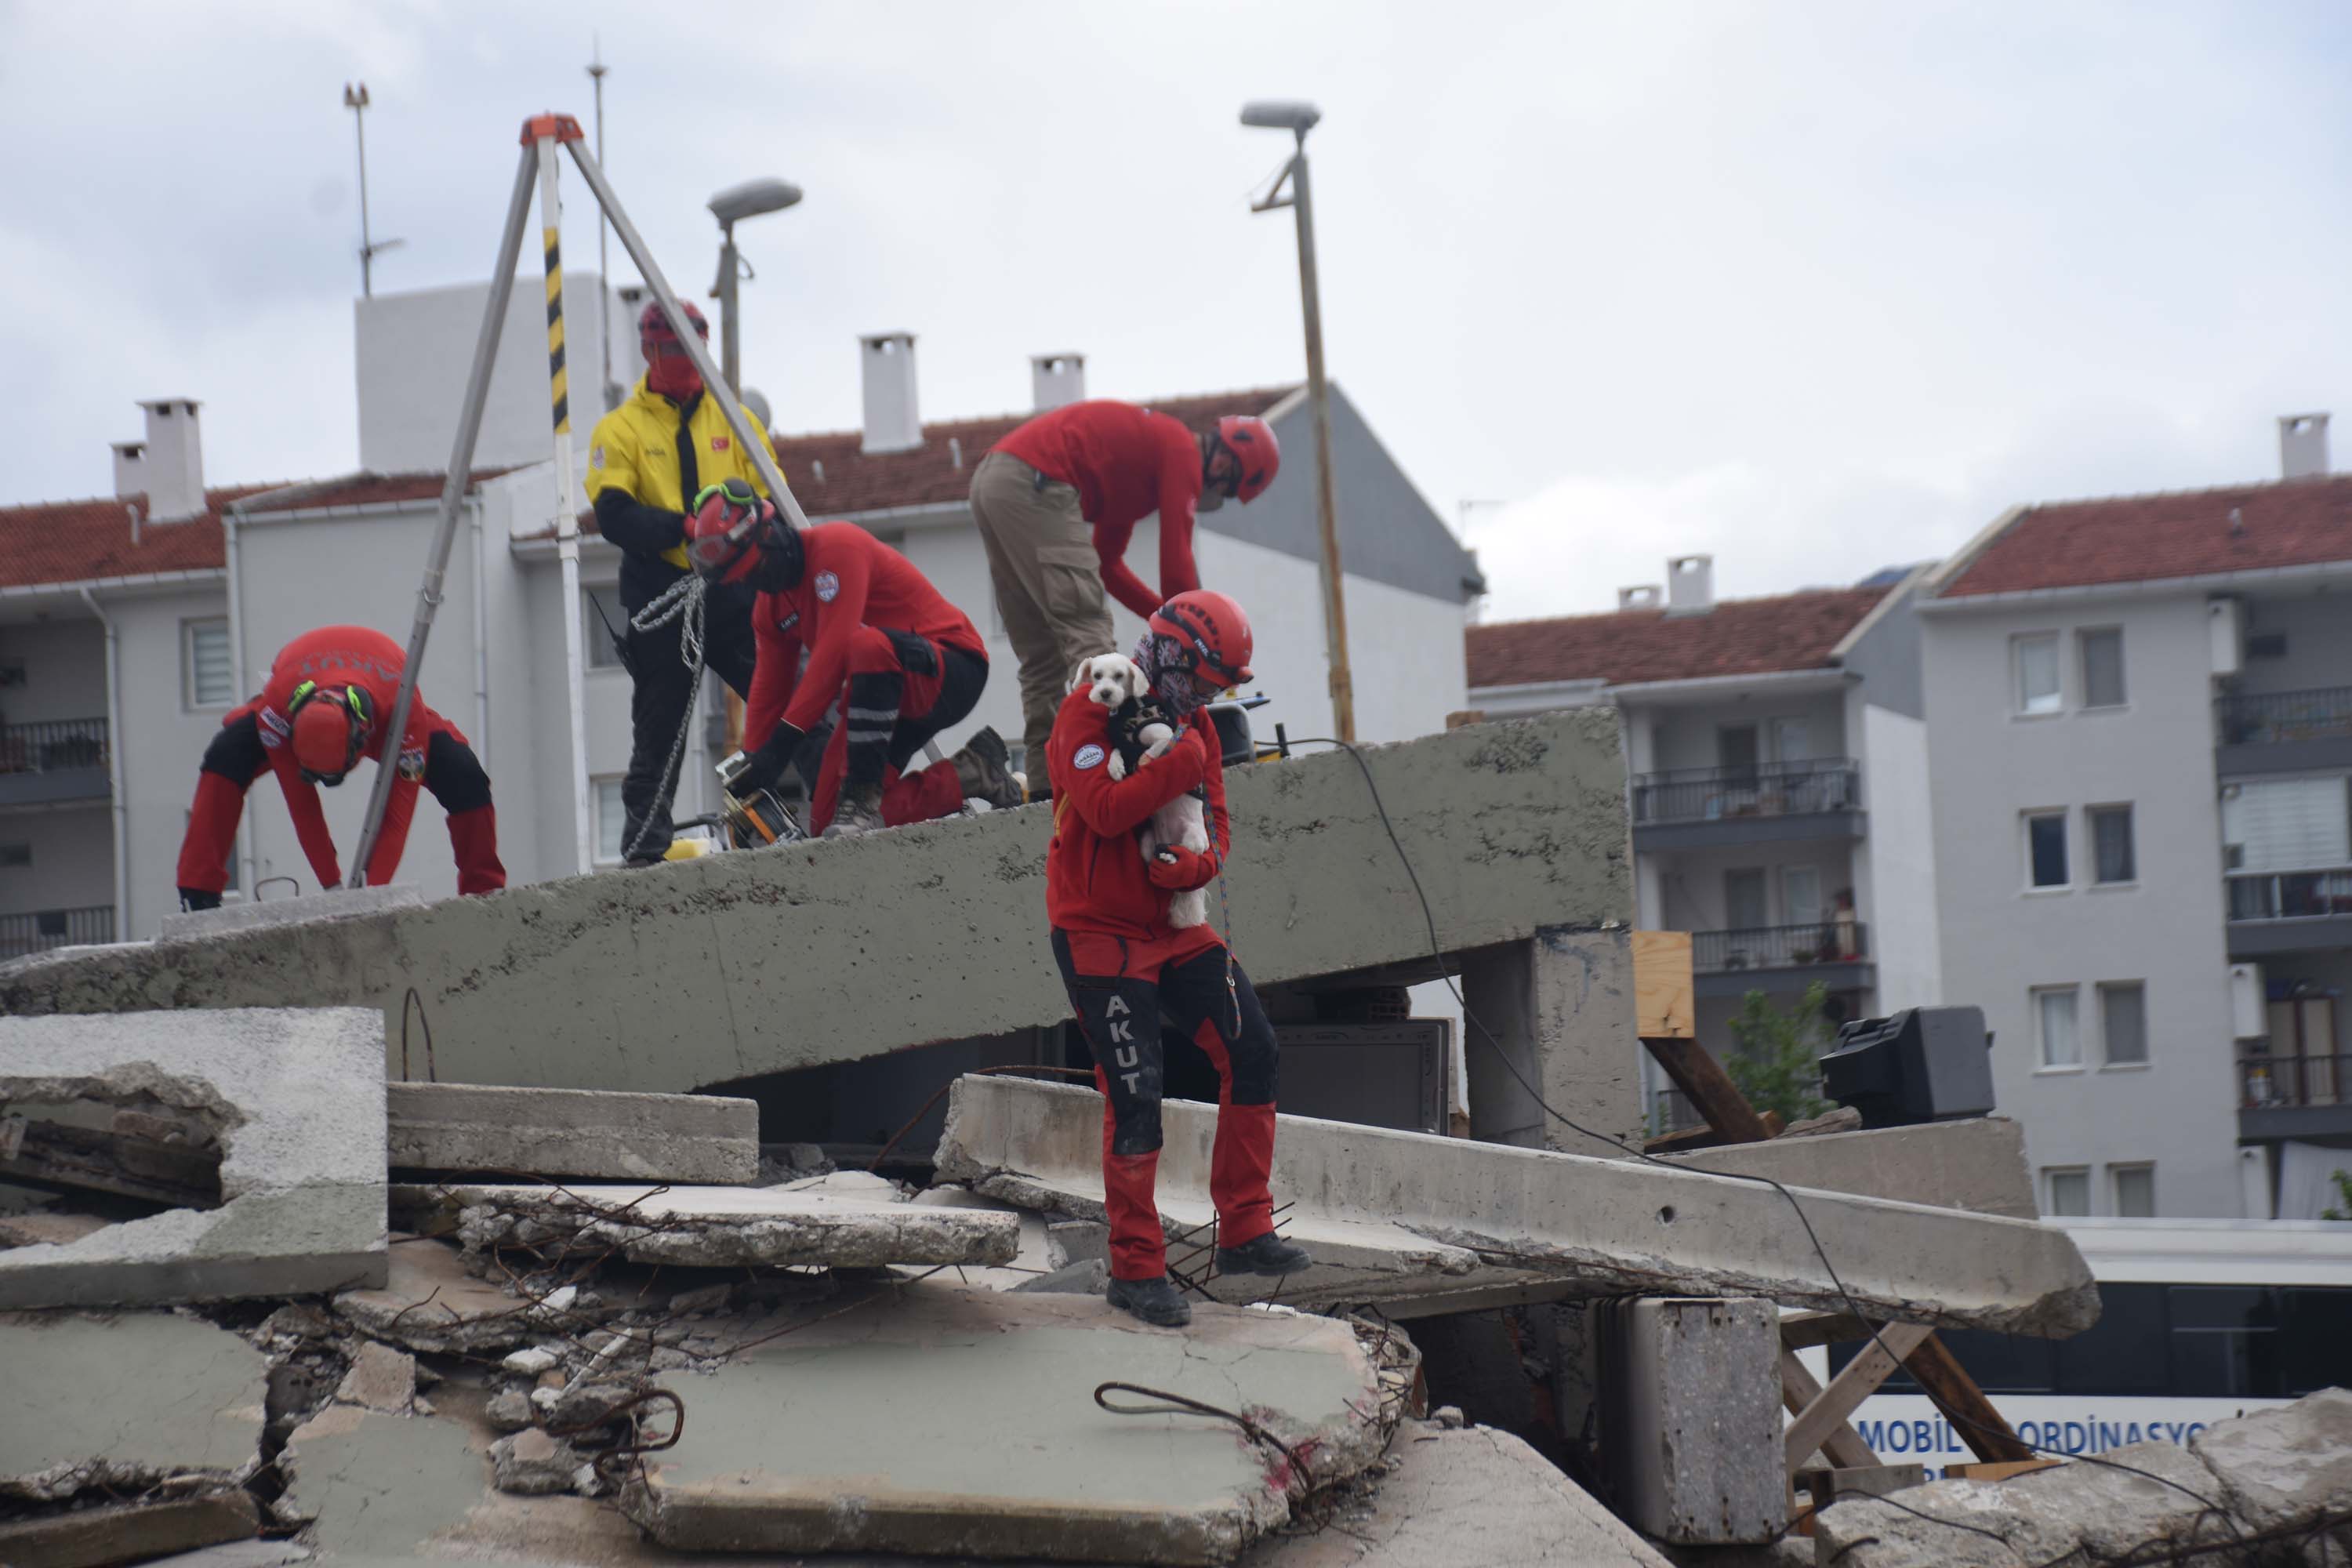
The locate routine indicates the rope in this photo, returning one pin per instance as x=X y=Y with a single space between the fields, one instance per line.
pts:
x=683 y=600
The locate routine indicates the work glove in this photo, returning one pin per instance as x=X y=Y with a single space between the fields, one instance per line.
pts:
x=197 y=900
x=764 y=768
x=1181 y=870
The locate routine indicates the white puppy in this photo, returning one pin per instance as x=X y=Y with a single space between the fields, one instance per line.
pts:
x=1141 y=731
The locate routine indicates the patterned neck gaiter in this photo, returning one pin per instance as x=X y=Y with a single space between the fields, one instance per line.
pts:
x=1169 y=668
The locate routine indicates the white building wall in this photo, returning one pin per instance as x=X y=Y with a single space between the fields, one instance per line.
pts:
x=72 y=850
x=1999 y=939
x=1894 y=863
x=163 y=741
x=64 y=659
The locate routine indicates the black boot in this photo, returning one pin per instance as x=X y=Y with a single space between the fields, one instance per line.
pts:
x=1154 y=1301
x=984 y=770
x=859 y=811
x=1267 y=1254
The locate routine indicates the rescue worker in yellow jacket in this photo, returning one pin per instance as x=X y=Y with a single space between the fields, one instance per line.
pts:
x=647 y=460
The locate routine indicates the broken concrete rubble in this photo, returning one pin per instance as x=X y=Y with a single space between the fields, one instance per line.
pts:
x=429 y=1303
x=370 y=1485
x=381 y=1378
x=127 y=1532
x=586 y=1134
x=1406 y=1217
x=1977 y=1165
x=295 y=1099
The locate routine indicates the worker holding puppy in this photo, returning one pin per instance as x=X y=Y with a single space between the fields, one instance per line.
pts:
x=1126 y=965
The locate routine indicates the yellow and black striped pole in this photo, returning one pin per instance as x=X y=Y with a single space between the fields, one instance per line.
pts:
x=558 y=382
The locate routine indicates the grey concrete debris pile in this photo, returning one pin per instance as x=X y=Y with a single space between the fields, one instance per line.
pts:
x=586 y=1134
x=293 y=1101
x=430 y=1301
x=721 y=1227
x=1405 y=1218
x=278 y=914
x=870 y=1466
x=1512 y=826
x=129 y=1532
x=2280 y=1479
x=1977 y=1165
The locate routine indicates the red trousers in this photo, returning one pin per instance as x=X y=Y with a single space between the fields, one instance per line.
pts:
x=1121 y=988
x=902 y=691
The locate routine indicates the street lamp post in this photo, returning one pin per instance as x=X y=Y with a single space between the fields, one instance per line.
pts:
x=355 y=99
x=1299 y=119
x=730 y=206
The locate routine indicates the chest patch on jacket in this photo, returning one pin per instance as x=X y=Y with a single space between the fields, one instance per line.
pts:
x=718 y=443
x=827 y=587
x=1089 y=756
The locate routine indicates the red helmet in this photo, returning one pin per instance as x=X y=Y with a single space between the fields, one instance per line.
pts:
x=1212 y=628
x=653 y=326
x=733 y=536
x=1256 y=454
x=329 y=726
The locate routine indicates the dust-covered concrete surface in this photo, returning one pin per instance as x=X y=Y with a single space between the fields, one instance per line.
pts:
x=1977 y=1165
x=1453 y=1214
x=272 y=914
x=294 y=1098
x=789 y=957
x=591 y=1134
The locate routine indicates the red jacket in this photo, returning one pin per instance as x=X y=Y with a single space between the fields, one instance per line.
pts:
x=344 y=655
x=1096 y=879
x=1126 y=463
x=851 y=579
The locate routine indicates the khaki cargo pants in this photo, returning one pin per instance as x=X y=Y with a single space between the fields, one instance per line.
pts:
x=1049 y=588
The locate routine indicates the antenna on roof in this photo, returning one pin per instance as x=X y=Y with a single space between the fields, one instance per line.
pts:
x=355 y=99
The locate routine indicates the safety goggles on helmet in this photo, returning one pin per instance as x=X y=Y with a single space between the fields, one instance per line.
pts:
x=352 y=705
x=723 y=526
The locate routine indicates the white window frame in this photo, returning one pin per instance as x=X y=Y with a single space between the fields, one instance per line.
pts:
x=2091 y=842
x=2147 y=1053
x=596 y=799
x=2035 y=997
x=2116 y=1175
x=191 y=700
x=2050 y=1175
x=2021 y=705
x=2025 y=820
x=2083 y=636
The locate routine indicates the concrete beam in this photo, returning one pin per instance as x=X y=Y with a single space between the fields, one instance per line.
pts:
x=1405 y=1216
x=1690 y=1420
x=1977 y=1165
x=1559 y=1016
x=276 y=914
x=700 y=971
x=455 y=1127
x=294 y=1098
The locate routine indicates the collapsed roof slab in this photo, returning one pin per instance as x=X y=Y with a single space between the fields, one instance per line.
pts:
x=701 y=972
x=1408 y=1216
x=496 y=1131
x=293 y=1098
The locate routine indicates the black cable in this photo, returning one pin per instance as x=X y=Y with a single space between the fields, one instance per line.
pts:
x=1437 y=952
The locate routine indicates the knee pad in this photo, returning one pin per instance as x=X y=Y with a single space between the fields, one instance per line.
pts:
x=235 y=752
x=454 y=775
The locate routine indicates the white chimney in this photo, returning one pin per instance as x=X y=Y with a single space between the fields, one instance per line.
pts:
x=1056 y=379
x=129 y=469
x=1642 y=596
x=173 y=466
x=892 y=425
x=1690 y=584
x=2303 y=446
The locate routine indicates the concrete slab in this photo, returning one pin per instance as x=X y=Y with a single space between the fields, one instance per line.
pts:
x=377 y=1486
x=428 y=1302
x=125 y=1403
x=276 y=914
x=1397 y=1217
x=726 y=1227
x=1513 y=827
x=2286 y=1467
x=831 y=1439
x=1977 y=1165
x=1466 y=1499
x=295 y=1098
x=591 y=1134
x=129 y=1532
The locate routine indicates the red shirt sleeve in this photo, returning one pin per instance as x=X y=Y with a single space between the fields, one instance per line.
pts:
x=773 y=677
x=828 y=667
x=1180 y=493
x=309 y=822
x=1074 y=756
x=1110 y=549
x=1221 y=836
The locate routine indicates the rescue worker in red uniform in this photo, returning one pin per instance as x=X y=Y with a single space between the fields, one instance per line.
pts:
x=327 y=704
x=1126 y=966
x=1056 y=502
x=904 y=662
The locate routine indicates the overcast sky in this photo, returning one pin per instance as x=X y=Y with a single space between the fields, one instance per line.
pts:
x=1816 y=288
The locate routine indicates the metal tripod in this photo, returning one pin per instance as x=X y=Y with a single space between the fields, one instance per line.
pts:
x=541 y=136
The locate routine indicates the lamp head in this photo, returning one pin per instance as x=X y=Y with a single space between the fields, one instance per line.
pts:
x=751 y=198
x=1281 y=114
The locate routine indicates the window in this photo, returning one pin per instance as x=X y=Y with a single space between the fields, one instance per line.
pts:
x=2123 y=1023
x=2054 y=1022
x=2036 y=658
x=2286 y=825
x=1743 y=900
x=2135 y=1191
x=609 y=817
x=16 y=857
x=2111 y=845
x=207 y=680
x=1735 y=752
x=1792 y=740
x=599 y=617
x=2066 y=1192
x=1801 y=898
x=2102 y=667
x=2045 y=849
x=2266 y=645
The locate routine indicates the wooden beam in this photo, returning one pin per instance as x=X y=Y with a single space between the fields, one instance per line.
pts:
x=61 y=1158
x=1709 y=1088
x=1663 y=996
x=1844 y=1446
x=1946 y=1382
x=1846 y=1392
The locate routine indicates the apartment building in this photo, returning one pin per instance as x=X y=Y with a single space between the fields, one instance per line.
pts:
x=1776 y=756
x=131 y=623
x=2140 y=736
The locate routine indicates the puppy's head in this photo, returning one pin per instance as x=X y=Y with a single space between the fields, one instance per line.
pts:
x=1111 y=679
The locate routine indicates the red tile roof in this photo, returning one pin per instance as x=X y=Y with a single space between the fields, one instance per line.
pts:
x=1737 y=637
x=2146 y=539
x=364 y=490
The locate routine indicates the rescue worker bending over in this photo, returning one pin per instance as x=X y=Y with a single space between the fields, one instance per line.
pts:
x=1126 y=966
x=329 y=703
x=647 y=460
x=1056 y=502
x=905 y=663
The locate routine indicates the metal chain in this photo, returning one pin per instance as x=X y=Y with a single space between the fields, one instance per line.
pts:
x=684 y=601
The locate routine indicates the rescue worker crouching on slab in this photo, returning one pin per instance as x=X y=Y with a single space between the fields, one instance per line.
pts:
x=1126 y=966
x=646 y=462
x=327 y=704
x=1056 y=502
x=905 y=663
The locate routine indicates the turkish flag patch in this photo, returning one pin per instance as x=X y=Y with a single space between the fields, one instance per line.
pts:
x=718 y=443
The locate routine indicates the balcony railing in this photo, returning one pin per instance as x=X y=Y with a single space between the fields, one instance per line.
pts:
x=52 y=746
x=2281 y=718
x=2289 y=895
x=46 y=929
x=1671 y=1111
x=2269 y=1083
x=1765 y=789
x=1778 y=947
